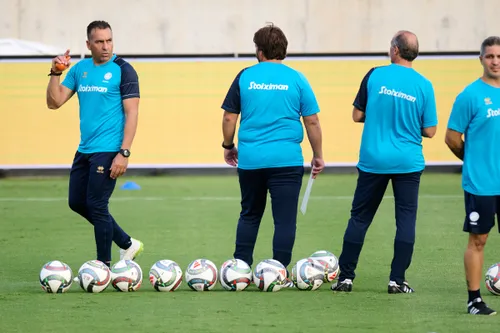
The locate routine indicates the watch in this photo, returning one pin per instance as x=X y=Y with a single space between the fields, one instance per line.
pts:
x=125 y=152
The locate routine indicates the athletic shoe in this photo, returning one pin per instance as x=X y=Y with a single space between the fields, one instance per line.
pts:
x=395 y=288
x=288 y=283
x=478 y=307
x=344 y=286
x=133 y=251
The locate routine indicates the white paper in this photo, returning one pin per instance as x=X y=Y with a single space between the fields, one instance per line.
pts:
x=305 y=199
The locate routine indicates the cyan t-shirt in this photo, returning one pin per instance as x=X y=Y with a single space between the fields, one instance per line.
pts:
x=101 y=90
x=398 y=103
x=271 y=98
x=476 y=114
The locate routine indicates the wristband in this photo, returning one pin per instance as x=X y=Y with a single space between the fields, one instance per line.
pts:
x=52 y=73
x=229 y=147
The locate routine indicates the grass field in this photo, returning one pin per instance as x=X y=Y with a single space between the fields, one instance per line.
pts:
x=183 y=218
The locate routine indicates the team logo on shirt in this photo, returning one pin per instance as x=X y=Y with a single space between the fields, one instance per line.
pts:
x=487 y=101
x=267 y=86
x=397 y=94
x=108 y=76
x=87 y=88
x=84 y=75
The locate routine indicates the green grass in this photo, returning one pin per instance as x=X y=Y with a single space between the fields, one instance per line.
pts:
x=184 y=218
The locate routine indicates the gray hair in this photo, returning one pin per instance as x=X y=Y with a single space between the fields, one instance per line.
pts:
x=490 y=41
x=407 y=50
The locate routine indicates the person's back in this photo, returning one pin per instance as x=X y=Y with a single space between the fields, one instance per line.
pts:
x=272 y=104
x=272 y=99
x=397 y=109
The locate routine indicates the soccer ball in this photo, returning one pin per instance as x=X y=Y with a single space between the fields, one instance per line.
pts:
x=235 y=275
x=330 y=263
x=165 y=275
x=308 y=274
x=201 y=275
x=492 y=279
x=56 y=277
x=94 y=276
x=126 y=275
x=269 y=275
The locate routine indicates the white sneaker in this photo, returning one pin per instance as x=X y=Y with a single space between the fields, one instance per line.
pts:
x=133 y=251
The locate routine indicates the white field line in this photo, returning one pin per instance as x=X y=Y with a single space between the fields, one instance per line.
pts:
x=211 y=198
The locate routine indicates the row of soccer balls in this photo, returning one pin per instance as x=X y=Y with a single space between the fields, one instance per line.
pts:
x=201 y=275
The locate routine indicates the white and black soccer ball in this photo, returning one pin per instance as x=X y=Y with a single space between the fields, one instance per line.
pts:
x=235 y=275
x=269 y=275
x=201 y=275
x=308 y=274
x=165 y=275
x=126 y=275
x=56 y=277
x=330 y=263
x=492 y=279
x=94 y=276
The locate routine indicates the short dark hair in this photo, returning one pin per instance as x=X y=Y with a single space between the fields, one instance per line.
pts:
x=97 y=25
x=490 y=41
x=407 y=50
x=271 y=41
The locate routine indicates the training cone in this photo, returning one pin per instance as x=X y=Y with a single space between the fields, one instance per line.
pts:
x=130 y=186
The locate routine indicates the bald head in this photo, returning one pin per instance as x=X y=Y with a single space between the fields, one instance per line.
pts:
x=407 y=44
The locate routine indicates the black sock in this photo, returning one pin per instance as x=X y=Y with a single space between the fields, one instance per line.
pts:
x=473 y=294
x=107 y=263
x=129 y=244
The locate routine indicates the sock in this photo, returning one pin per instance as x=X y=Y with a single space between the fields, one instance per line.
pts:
x=473 y=294
x=128 y=244
x=107 y=263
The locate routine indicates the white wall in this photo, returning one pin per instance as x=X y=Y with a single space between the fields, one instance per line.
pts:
x=227 y=26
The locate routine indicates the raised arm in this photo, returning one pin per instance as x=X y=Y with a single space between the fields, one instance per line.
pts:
x=57 y=93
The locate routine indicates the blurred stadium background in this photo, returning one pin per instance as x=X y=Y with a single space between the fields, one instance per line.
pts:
x=187 y=52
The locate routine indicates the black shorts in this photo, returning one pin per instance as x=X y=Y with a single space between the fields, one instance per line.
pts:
x=480 y=213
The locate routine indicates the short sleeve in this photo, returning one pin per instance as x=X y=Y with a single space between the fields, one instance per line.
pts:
x=232 y=102
x=429 y=116
x=70 y=79
x=129 y=85
x=461 y=113
x=308 y=103
x=361 y=99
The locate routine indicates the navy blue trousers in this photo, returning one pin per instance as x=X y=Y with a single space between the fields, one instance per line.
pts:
x=369 y=193
x=90 y=187
x=284 y=186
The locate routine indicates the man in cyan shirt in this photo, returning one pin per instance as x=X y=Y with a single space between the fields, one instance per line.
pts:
x=108 y=93
x=397 y=106
x=476 y=115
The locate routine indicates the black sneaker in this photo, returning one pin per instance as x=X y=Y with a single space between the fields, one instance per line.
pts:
x=478 y=307
x=344 y=285
x=395 y=288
